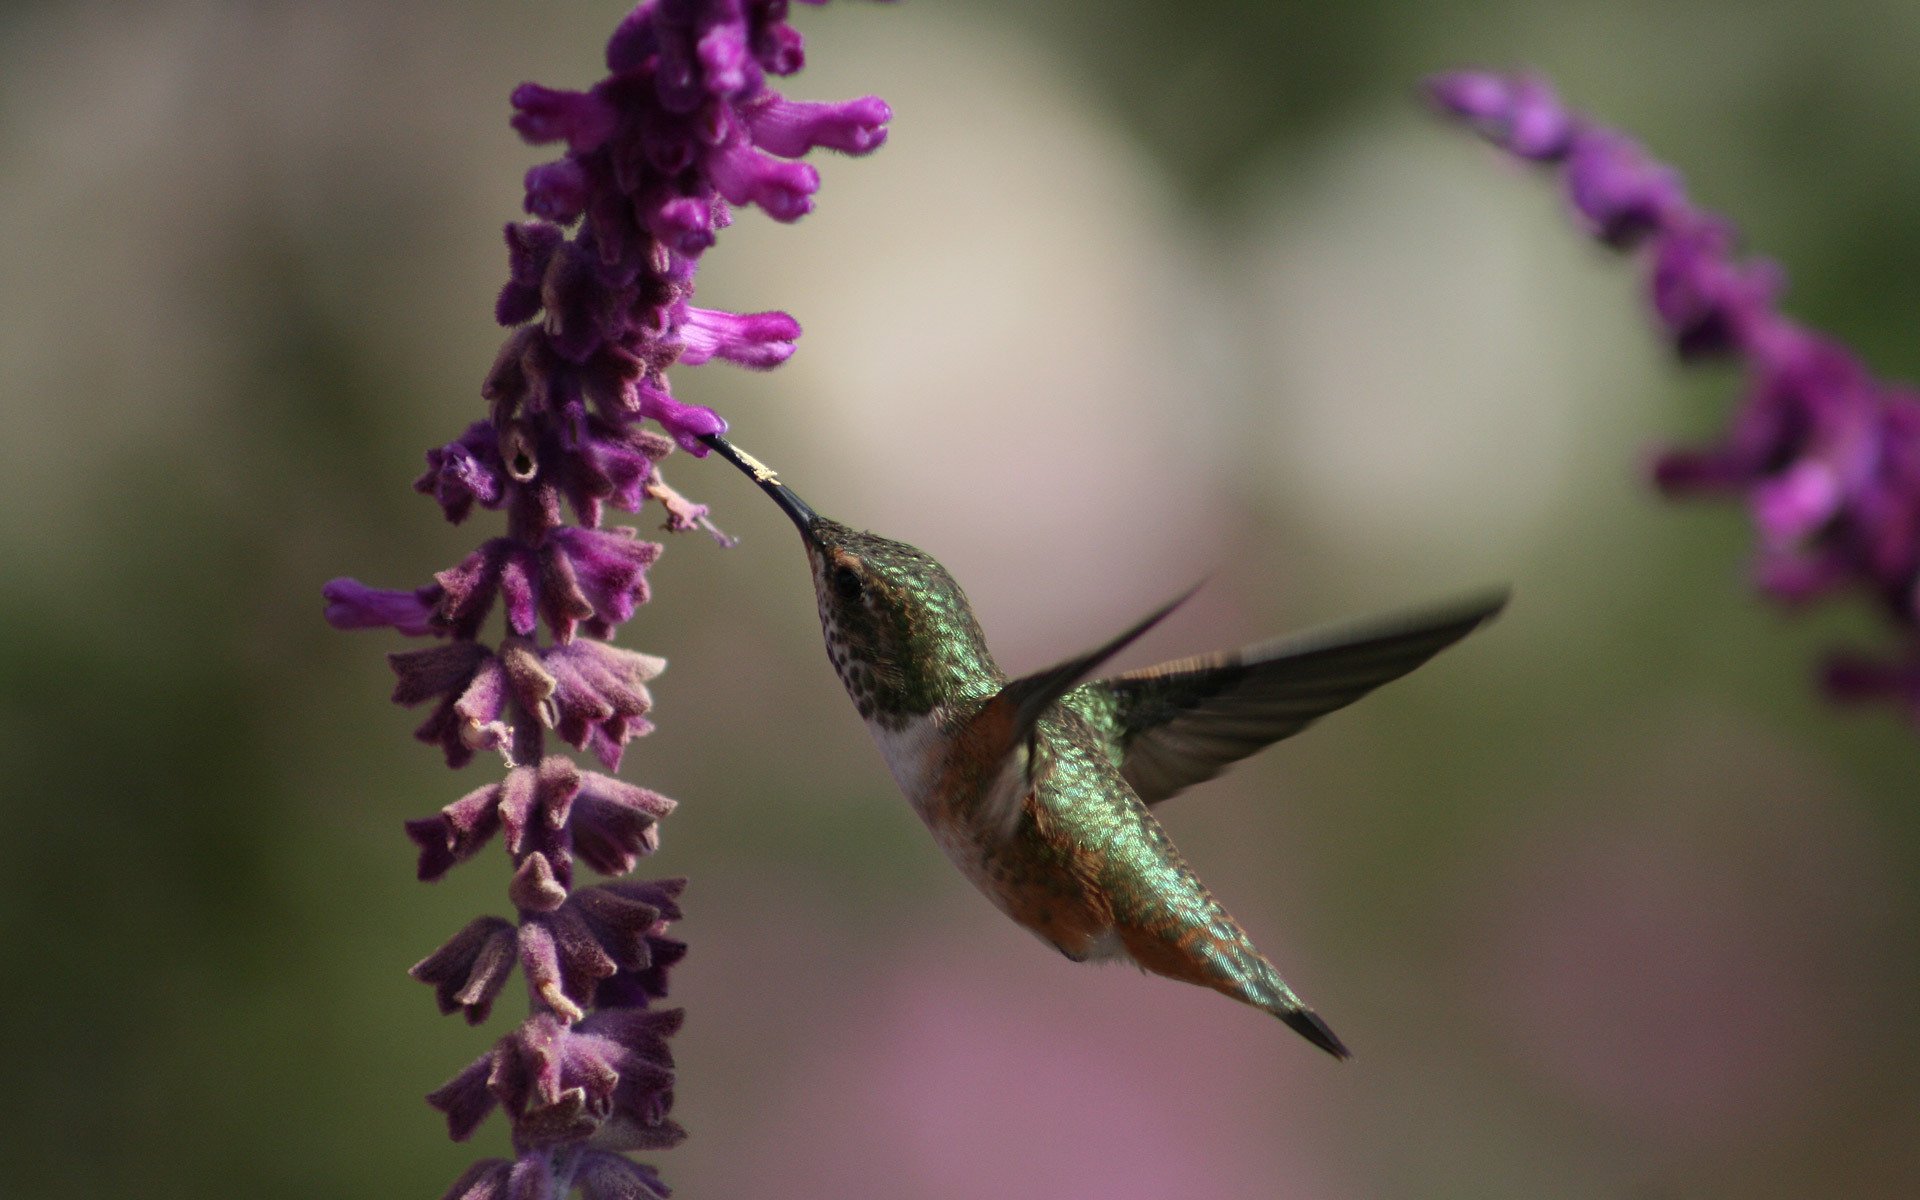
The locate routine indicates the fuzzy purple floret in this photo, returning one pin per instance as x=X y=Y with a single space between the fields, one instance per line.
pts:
x=598 y=298
x=1825 y=455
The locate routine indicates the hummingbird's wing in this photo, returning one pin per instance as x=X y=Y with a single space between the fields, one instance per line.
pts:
x=1181 y=722
x=1006 y=722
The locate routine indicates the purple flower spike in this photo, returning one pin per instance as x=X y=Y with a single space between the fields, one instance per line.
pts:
x=599 y=307
x=1826 y=456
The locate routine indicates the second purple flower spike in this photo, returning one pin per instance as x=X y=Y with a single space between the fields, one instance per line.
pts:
x=1825 y=455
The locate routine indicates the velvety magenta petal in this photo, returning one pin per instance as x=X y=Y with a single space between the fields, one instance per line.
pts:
x=519 y=570
x=481 y=707
x=790 y=128
x=353 y=605
x=757 y=340
x=641 y=987
x=528 y=677
x=686 y=423
x=1705 y=298
x=684 y=223
x=470 y=587
x=782 y=189
x=562 y=602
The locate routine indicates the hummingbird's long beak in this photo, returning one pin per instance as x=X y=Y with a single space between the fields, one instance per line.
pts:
x=797 y=509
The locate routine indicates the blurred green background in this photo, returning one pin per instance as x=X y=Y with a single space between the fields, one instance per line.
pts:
x=1607 y=901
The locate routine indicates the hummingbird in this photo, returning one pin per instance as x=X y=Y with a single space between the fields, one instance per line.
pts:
x=1040 y=789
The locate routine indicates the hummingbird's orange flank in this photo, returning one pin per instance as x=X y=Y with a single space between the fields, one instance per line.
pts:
x=1038 y=788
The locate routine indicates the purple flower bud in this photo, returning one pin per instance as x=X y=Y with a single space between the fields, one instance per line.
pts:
x=532 y=1179
x=557 y=191
x=1520 y=114
x=1622 y=192
x=353 y=605
x=470 y=969
x=781 y=50
x=467 y=681
x=568 y=949
x=561 y=1084
x=1710 y=303
x=531 y=805
x=581 y=119
x=614 y=823
x=606 y=568
x=465 y=472
x=600 y=696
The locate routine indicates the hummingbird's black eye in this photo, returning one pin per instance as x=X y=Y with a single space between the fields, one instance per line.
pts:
x=846 y=583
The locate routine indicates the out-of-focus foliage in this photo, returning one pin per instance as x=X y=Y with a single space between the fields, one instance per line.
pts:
x=1607 y=901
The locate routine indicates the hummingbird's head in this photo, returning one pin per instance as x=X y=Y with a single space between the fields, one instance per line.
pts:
x=898 y=628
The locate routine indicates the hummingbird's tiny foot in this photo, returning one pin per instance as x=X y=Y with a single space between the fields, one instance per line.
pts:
x=1308 y=1024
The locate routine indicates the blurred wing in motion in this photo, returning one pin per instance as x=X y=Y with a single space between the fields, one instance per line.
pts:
x=1181 y=722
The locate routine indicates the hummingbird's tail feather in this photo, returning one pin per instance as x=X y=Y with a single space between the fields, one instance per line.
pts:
x=1220 y=956
x=1307 y=1023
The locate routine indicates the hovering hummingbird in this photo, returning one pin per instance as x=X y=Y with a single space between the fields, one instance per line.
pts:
x=1039 y=788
